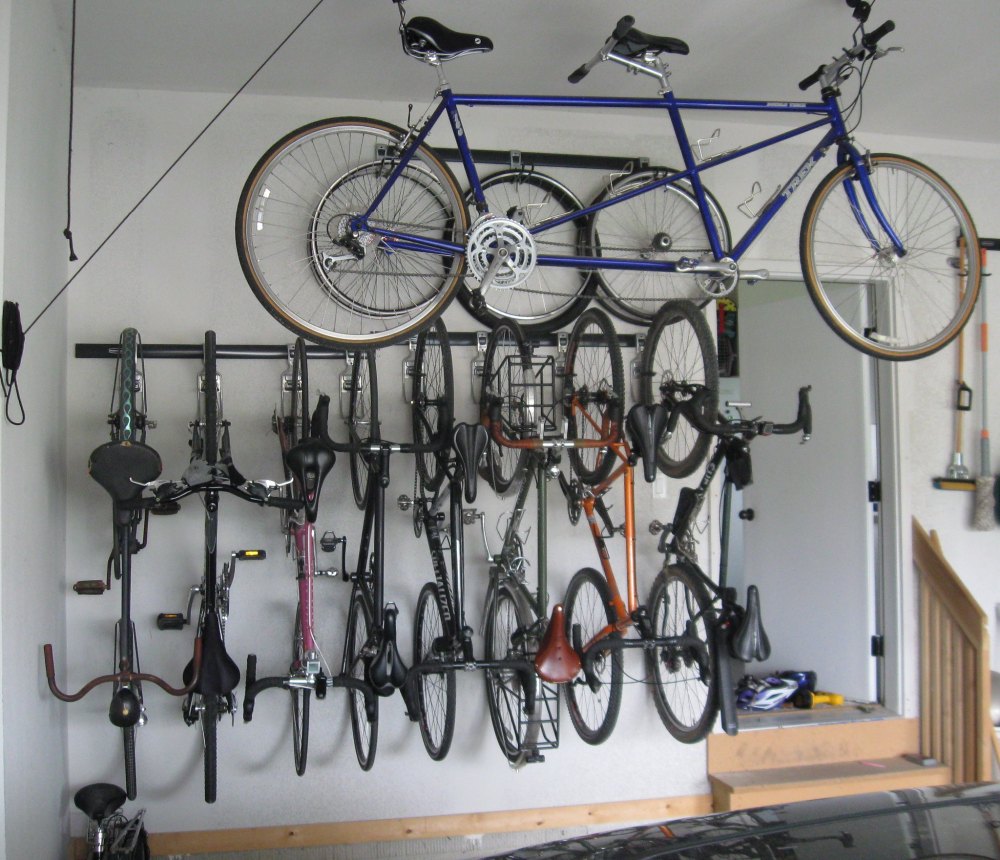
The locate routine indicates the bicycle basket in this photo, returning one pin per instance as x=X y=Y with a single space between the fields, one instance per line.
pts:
x=530 y=401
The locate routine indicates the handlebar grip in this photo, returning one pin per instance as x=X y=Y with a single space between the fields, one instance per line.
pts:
x=579 y=74
x=289 y=504
x=806 y=83
x=625 y=23
x=870 y=40
x=803 y=418
x=320 y=423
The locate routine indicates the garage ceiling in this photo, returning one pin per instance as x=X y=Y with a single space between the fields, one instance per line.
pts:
x=944 y=84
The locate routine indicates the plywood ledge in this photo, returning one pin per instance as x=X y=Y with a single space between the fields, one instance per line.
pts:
x=615 y=814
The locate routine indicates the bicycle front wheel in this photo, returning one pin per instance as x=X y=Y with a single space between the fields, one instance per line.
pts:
x=594 y=398
x=680 y=352
x=552 y=296
x=363 y=728
x=300 y=700
x=593 y=703
x=660 y=225
x=433 y=401
x=507 y=620
x=362 y=421
x=684 y=687
x=886 y=304
x=323 y=261
x=506 y=389
x=436 y=690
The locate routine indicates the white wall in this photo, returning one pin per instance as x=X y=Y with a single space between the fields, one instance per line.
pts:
x=172 y=271
x=33 y=493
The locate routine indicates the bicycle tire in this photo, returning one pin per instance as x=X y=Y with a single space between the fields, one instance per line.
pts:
x=300 y=702
x=362 y=421
x=552 y=296
x=659 y=225
x=363 y=729
x=506 y=369
x=209 y=728
x=923 y=299
x=593 y=713
x=507 y=618
x=293 y=223
x=299 y=421
x=685 y=691
x=679 y=352
x=436 y=691
x=211 y=401
x=433 y=401
x=128 y=738
x=124 y=416
x=594 y=380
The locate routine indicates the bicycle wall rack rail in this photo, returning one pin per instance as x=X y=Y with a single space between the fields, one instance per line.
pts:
x=278 y=351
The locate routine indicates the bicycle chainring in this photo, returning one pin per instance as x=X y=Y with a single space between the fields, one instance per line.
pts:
x=492 y=234
x=717 y=286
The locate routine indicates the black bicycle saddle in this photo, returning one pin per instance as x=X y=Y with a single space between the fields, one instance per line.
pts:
x=646 y=426
x=424 y=36
x=750 y=641
x=99 y=800
x=118 y=466
x=387 y=671
x=469 y=442
x=635 y=43
x=310 y=462
x=219 y=675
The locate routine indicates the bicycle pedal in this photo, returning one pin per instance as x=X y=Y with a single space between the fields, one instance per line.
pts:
x=165 y=509
x=90 y=586
x=534 y=757
x=170 y=621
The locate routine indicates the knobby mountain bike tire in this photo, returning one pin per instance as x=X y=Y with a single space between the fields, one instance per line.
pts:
x=506 y=378
x=300 y=700
x=363 y=729
x=552 y=296
x=679 y=352
x=362 y=421
x=594 y=392
x=314 y=270
x=660 y=225
x=436 y=691
x=508 y=618
x=886 y=305
x=593 y=711
x=125 y=414
x=433 y=399
x=684 y=683
x=128 y=739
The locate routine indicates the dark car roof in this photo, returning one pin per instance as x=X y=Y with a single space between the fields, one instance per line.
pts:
x=953 y=822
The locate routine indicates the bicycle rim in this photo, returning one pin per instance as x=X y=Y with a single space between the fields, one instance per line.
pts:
x=684 y=687
x=364 y=730
x=310 y=264
x=594 y=399
x=432 y=401
x=680 y=352
x=435 y=690
x=658 y=226
x=552 y=296
x=506 y=370
x=362 y=421
x=593 y=712
x=886 y=305
x=506 y=621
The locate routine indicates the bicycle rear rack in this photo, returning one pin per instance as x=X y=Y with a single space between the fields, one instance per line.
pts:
x=547 y=716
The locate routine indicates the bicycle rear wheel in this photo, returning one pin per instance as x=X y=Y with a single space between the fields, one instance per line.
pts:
x=316 y=257
x=127 y=415
x=594 y=399
x=210 y=401
x=593 y=710
x=300 y=700
x=684 y=687
x=209 y=727
x=297 y=421
x=507 y=620
x=506 y=372
x=552 y=296
x=433 y=401
x=364 y=730
x=660 y=225
x=887 y=305
x=362 y=421
x=128 y=739
x=436 y=697
x=680 y=352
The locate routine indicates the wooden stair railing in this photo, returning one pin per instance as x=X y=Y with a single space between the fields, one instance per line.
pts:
x=955 y=726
